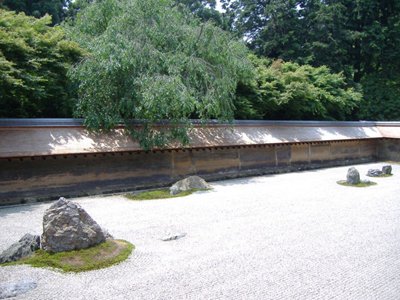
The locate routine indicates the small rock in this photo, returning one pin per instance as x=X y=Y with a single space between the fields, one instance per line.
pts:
x=387 y=170
x=67 y=226
x=8 y=290
x=353 y=176
x=374 y=173
x=189 y=183
x=24 y=247
x=173 y=237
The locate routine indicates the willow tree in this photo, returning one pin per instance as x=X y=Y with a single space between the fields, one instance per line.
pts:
x=153 y=61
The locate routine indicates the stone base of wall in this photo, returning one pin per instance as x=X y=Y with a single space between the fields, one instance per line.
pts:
x=34 y=179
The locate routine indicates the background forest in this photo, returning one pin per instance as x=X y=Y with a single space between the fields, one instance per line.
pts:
x=111 y=61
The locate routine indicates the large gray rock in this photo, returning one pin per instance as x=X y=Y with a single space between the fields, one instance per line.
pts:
x=24 y=247
x=189 y=183
x=353 y=176
x=387 y=170
x=374 y=173
x=67 y=226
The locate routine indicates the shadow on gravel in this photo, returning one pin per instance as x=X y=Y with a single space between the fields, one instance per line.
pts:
x=18 y=209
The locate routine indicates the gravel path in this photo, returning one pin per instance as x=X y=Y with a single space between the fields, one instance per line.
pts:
x=289 y=236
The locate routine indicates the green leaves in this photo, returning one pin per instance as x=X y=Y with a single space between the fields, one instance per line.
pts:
x=359 y=39
x=39 y=8
x=34 y=59
x=151 y=61
x=285 y=90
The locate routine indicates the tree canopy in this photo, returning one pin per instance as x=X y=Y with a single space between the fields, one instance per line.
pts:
x=206 y=10
x=39 y=8
x=34 y=60
x=152 y=61
x=358 y=38
x=174 y=59
x=289 y=91
x=342 y=34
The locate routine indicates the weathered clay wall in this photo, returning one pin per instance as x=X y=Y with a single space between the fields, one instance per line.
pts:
x=48 y=177
x=46 y=159
x=389 y=149
x=62 y=138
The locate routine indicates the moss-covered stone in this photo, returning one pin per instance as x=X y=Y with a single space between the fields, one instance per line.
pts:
x=104 y=255
x=157 y=194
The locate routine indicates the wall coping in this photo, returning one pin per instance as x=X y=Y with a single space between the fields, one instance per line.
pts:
x=69 y=122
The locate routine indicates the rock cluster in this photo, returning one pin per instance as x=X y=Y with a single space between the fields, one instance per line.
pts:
x=189 y=183
x=386 y=170
x=353 y=176
x=67 y=226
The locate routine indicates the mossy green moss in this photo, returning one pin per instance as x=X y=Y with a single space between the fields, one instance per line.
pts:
x=106 y=254
x=157 y=194
x=361 y=184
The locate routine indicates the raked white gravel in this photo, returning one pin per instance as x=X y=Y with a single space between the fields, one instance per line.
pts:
x=289 y=236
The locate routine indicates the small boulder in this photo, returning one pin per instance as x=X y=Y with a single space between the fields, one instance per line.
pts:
x=67 y=226
x=353 y=176
x=24 y=247
x=387 y=170
x=374 y=173
x=189 y=183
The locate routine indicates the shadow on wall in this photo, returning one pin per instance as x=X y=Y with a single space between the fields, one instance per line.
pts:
x=82 y=140
x=227 y=136
x=39 y=141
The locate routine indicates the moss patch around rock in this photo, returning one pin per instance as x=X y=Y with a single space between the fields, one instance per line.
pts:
x=157 y=194
x=100 y=256
x=361 y=184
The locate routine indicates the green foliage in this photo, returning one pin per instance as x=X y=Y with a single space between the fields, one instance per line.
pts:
x=34 y=60
x=104 y=255
x=158 y=194
x=74 y=7
x=286 y=90
x=39 y=8
x=206 y=11
x=381 y=101
x=150 y=61
x=357 y=38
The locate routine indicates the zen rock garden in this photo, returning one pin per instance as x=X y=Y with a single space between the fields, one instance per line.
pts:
x=353 y=176
x=66 y=226
x=215 y=241
x=386 y=171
